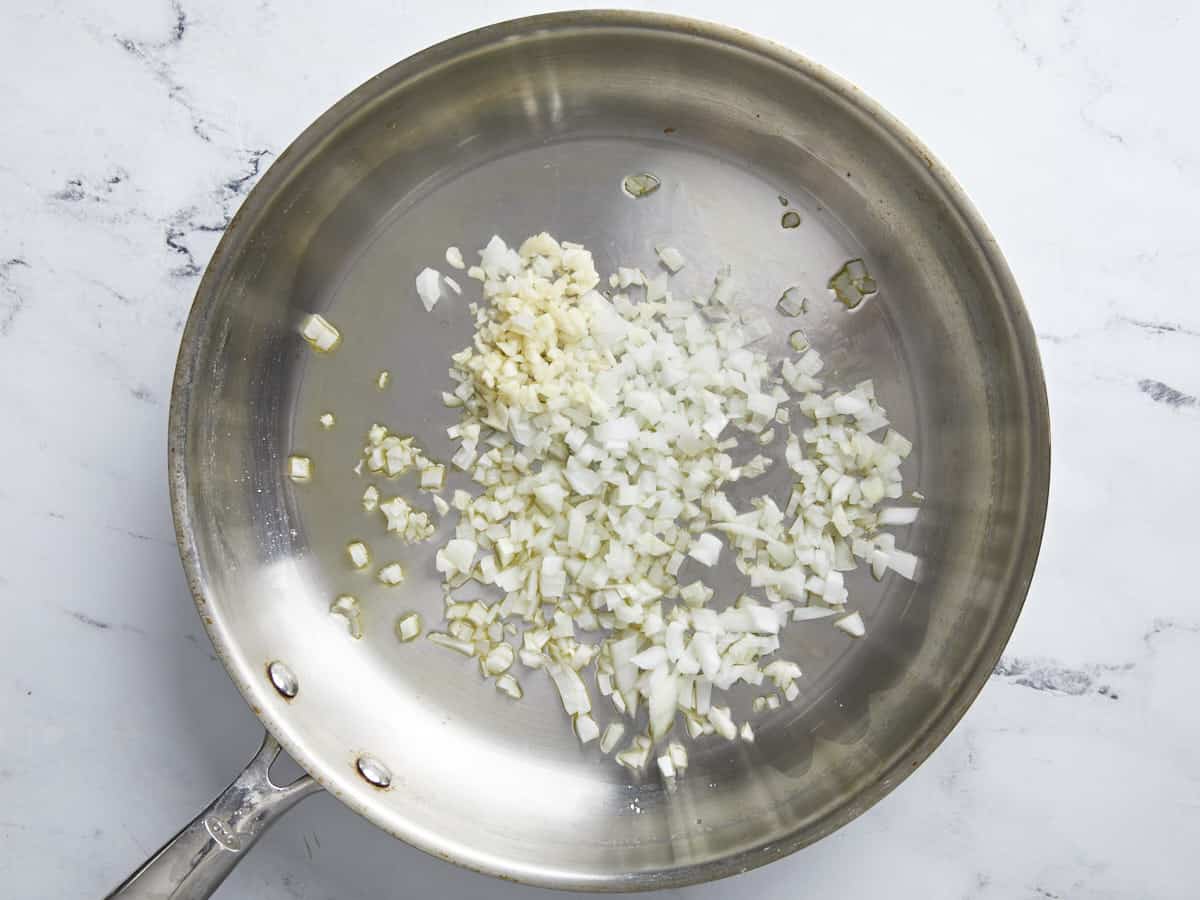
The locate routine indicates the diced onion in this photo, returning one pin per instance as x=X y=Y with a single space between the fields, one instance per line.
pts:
x=897 y=515
x=319 y=333
x=299 y=468
x=466 y=648
x=671 y=258
x=722 y=721
x=611 y=737
x=391 y=574
x=666 y=766
x=706 y=549
x=358 y=553
x=600 y=433
x=679 y=755
x=346 y=606
x=852 y=624
x=807 y=613
x=506 y=684
x=791 y=303
x=499 y=659
x=429 y=287
x=433 y=477
x=586 y=728
x=635 y=755
x=408 y=626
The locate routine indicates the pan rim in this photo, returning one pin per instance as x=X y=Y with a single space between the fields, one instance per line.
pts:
x=1005 y=292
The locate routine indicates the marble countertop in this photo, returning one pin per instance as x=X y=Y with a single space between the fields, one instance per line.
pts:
x=131 y=130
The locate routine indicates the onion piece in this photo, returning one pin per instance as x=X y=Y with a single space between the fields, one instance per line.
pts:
x=571 y=688
x=299 y=469
x=499 y=659
x=706 y=549
x=429 y=287
x=506 y=684
x=678 y=754
x=346 y=606
x=433 y=478
x=664 y=696
x=666 y=767
x=611 y=737
x=671 y=258
x=652 y=658
x=852 y=624
x=320 y=334
x=408 y=626
x=586 y=728
x=897 y=515
x=808 y=613
x=360 y=557
x=791 y=303
x=635 y=755
x=466 y=648
x=903 y=564
x=722 y=721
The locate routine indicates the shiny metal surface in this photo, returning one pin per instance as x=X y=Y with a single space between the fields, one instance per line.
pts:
x=194 y=863
x=533 y=125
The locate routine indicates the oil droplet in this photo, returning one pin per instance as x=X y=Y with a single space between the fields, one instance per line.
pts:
x=791 y=219
x=641 y=185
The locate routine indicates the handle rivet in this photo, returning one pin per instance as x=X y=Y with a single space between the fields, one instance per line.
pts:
x=283 y=679
x=373 y=771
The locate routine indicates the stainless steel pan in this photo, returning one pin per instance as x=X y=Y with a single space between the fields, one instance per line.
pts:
x=532 y=125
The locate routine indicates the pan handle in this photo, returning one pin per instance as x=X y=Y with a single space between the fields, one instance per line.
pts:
x=193 y=864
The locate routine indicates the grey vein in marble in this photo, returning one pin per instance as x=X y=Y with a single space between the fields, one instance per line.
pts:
x=1159 y=327
x=1164 y=393
x=1047 y=675
x=154 y=55
x=100 y=624
x=14 y=300
x=225 y=199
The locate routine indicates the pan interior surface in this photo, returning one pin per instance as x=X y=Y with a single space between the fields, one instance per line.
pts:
x=532 y=126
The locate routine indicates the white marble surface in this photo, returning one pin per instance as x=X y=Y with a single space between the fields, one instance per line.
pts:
x=131 y=130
